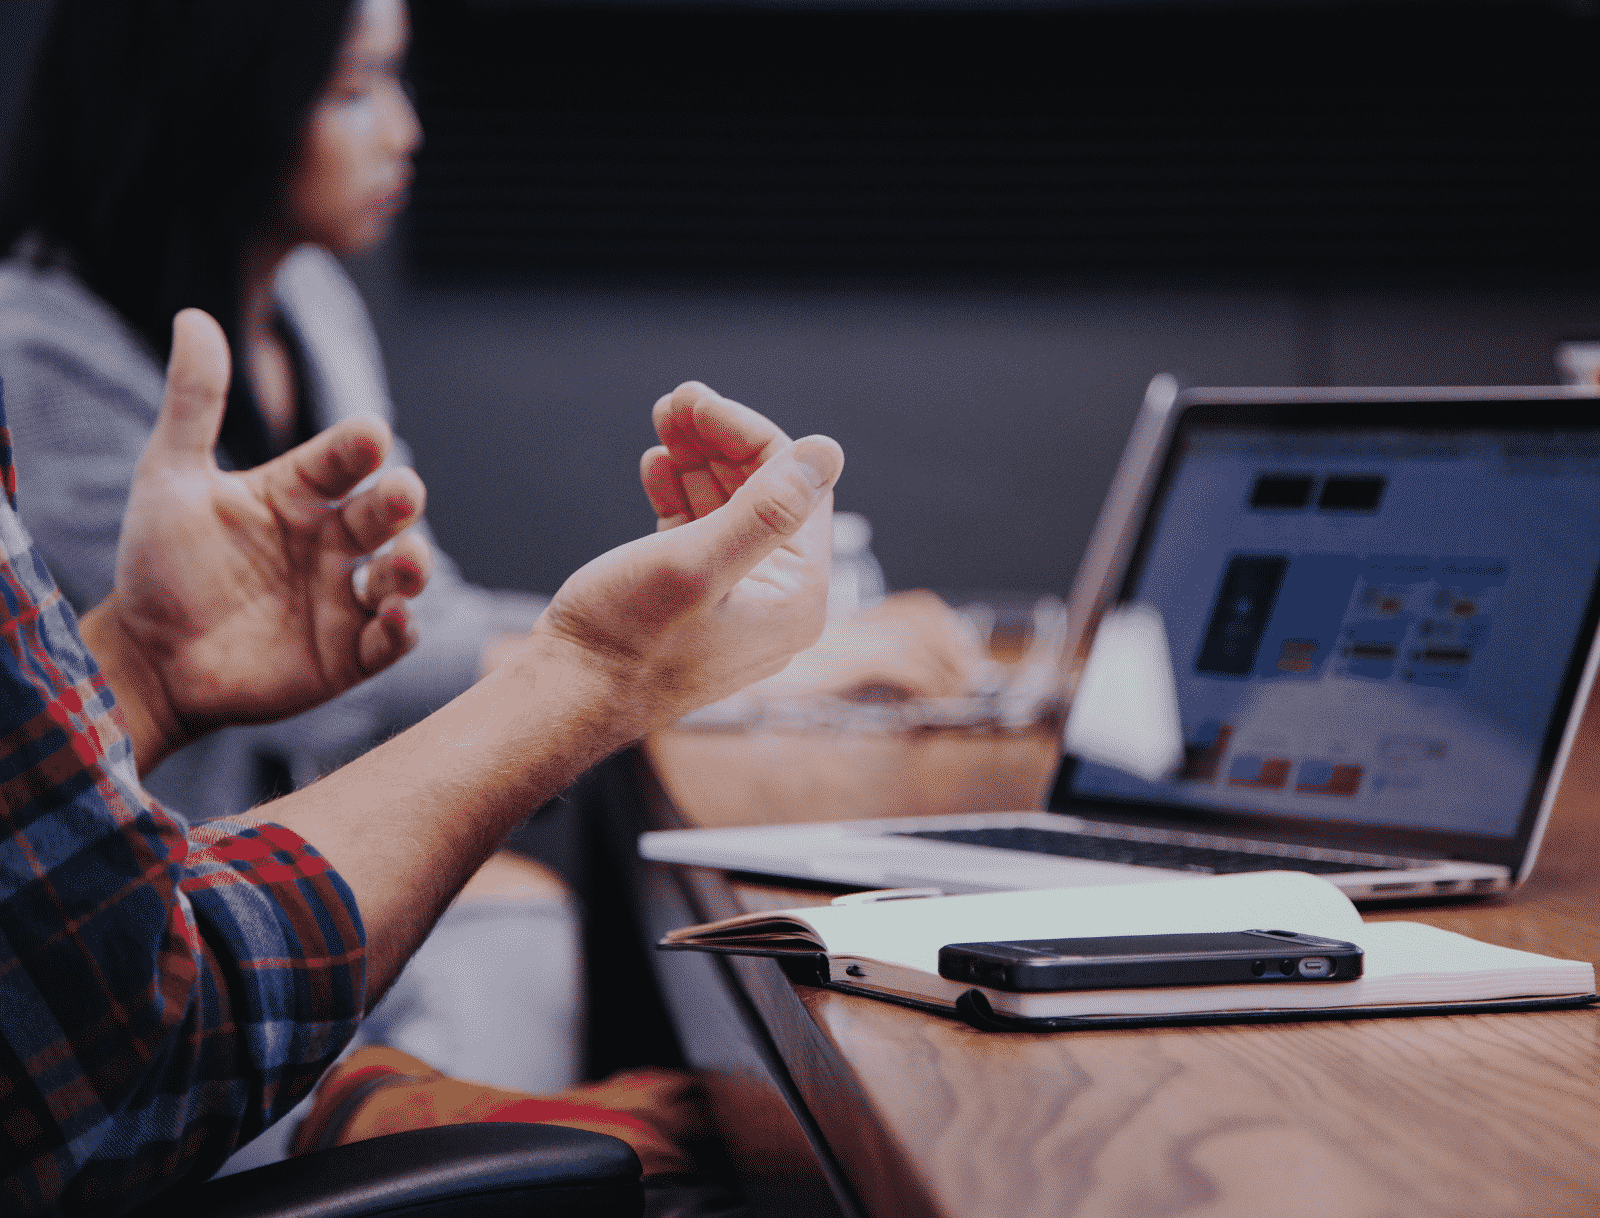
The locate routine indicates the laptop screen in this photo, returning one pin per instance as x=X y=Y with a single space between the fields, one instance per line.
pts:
x=1371 y=624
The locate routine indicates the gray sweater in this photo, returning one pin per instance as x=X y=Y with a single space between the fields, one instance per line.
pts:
x=82 y=391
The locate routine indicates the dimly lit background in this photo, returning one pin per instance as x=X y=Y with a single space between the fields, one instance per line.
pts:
x=958 y=236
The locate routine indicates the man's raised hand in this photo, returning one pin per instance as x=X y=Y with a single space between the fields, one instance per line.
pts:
x=912 y=644
x=234 y=599
x=734 y=582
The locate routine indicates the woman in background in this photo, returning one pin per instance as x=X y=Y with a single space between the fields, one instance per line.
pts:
x=219 y=153
x=215 y=155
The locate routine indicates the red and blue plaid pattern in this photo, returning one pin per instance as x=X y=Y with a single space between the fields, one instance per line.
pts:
x=165 y=993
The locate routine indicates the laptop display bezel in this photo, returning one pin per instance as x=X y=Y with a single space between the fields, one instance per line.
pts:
x=1436 y=411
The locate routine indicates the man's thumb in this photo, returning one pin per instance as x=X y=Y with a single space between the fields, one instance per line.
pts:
x=822 y=460
x=197 y=387
x=774 y=504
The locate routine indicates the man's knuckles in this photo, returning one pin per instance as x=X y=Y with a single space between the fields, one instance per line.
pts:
x=781 y=517
x=781 y=497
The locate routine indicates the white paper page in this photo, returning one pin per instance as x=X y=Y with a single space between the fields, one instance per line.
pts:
x=1431 y=963
x=910 y=933
x=1405 y=963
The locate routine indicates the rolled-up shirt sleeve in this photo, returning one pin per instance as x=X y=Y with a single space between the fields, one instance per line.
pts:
x=166 y=993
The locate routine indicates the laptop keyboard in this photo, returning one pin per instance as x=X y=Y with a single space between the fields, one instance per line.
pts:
x=1173 y=856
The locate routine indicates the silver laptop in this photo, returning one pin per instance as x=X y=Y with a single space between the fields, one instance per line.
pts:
x=1381 y=607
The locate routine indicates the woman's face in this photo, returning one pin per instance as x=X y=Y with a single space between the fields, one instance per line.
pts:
x=354 y=166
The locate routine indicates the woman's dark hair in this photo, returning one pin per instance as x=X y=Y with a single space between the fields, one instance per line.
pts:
x=156 y=138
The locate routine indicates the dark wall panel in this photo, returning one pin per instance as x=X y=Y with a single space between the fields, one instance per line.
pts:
x=1282 y=139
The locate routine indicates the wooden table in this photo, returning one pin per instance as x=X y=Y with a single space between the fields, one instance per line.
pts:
x=911 y=1114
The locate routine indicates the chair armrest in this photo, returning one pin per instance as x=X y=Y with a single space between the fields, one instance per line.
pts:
x=464 y=1171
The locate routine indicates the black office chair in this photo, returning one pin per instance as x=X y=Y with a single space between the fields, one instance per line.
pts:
x=488 y=1170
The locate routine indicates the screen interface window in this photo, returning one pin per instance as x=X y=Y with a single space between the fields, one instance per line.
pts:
x=1371 y=627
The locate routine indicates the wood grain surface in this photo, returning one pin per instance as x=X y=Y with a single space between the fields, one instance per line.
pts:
x=1423 y=1116
x=1446 y=1116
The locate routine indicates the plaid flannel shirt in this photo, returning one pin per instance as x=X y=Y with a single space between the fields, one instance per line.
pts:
x=166 y=993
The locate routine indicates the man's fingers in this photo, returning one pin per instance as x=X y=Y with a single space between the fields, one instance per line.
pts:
x=401 y=571
x=384 y=510
x=197 y=390
x=700 y=427
x=660 y=479
x=388 y=636
x=709 y=446
x=771 y=508
x=704 y=490
x=326 y=467
x=679 y=495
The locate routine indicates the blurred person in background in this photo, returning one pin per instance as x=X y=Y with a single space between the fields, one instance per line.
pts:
x=220 y=154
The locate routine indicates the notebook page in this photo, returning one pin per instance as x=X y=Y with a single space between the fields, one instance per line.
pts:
x=910 y=933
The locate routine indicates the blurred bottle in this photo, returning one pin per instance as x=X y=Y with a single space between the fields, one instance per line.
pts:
x=856 y=581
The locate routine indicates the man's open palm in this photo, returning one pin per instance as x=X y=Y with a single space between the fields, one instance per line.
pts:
x=235 y=591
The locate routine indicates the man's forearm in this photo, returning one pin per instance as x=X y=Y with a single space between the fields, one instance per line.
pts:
x=408 y=823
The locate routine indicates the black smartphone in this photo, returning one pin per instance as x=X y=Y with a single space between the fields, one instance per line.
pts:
x=1126 y=961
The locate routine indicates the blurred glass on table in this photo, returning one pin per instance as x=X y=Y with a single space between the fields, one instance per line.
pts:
x=855 y=580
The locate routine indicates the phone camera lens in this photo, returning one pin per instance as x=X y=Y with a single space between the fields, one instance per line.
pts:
x=1286 y=967
x=1316 y=966
x=1258 y=967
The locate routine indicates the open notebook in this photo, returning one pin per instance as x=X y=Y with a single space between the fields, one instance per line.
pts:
x=889 y=949
x=1381 y=609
